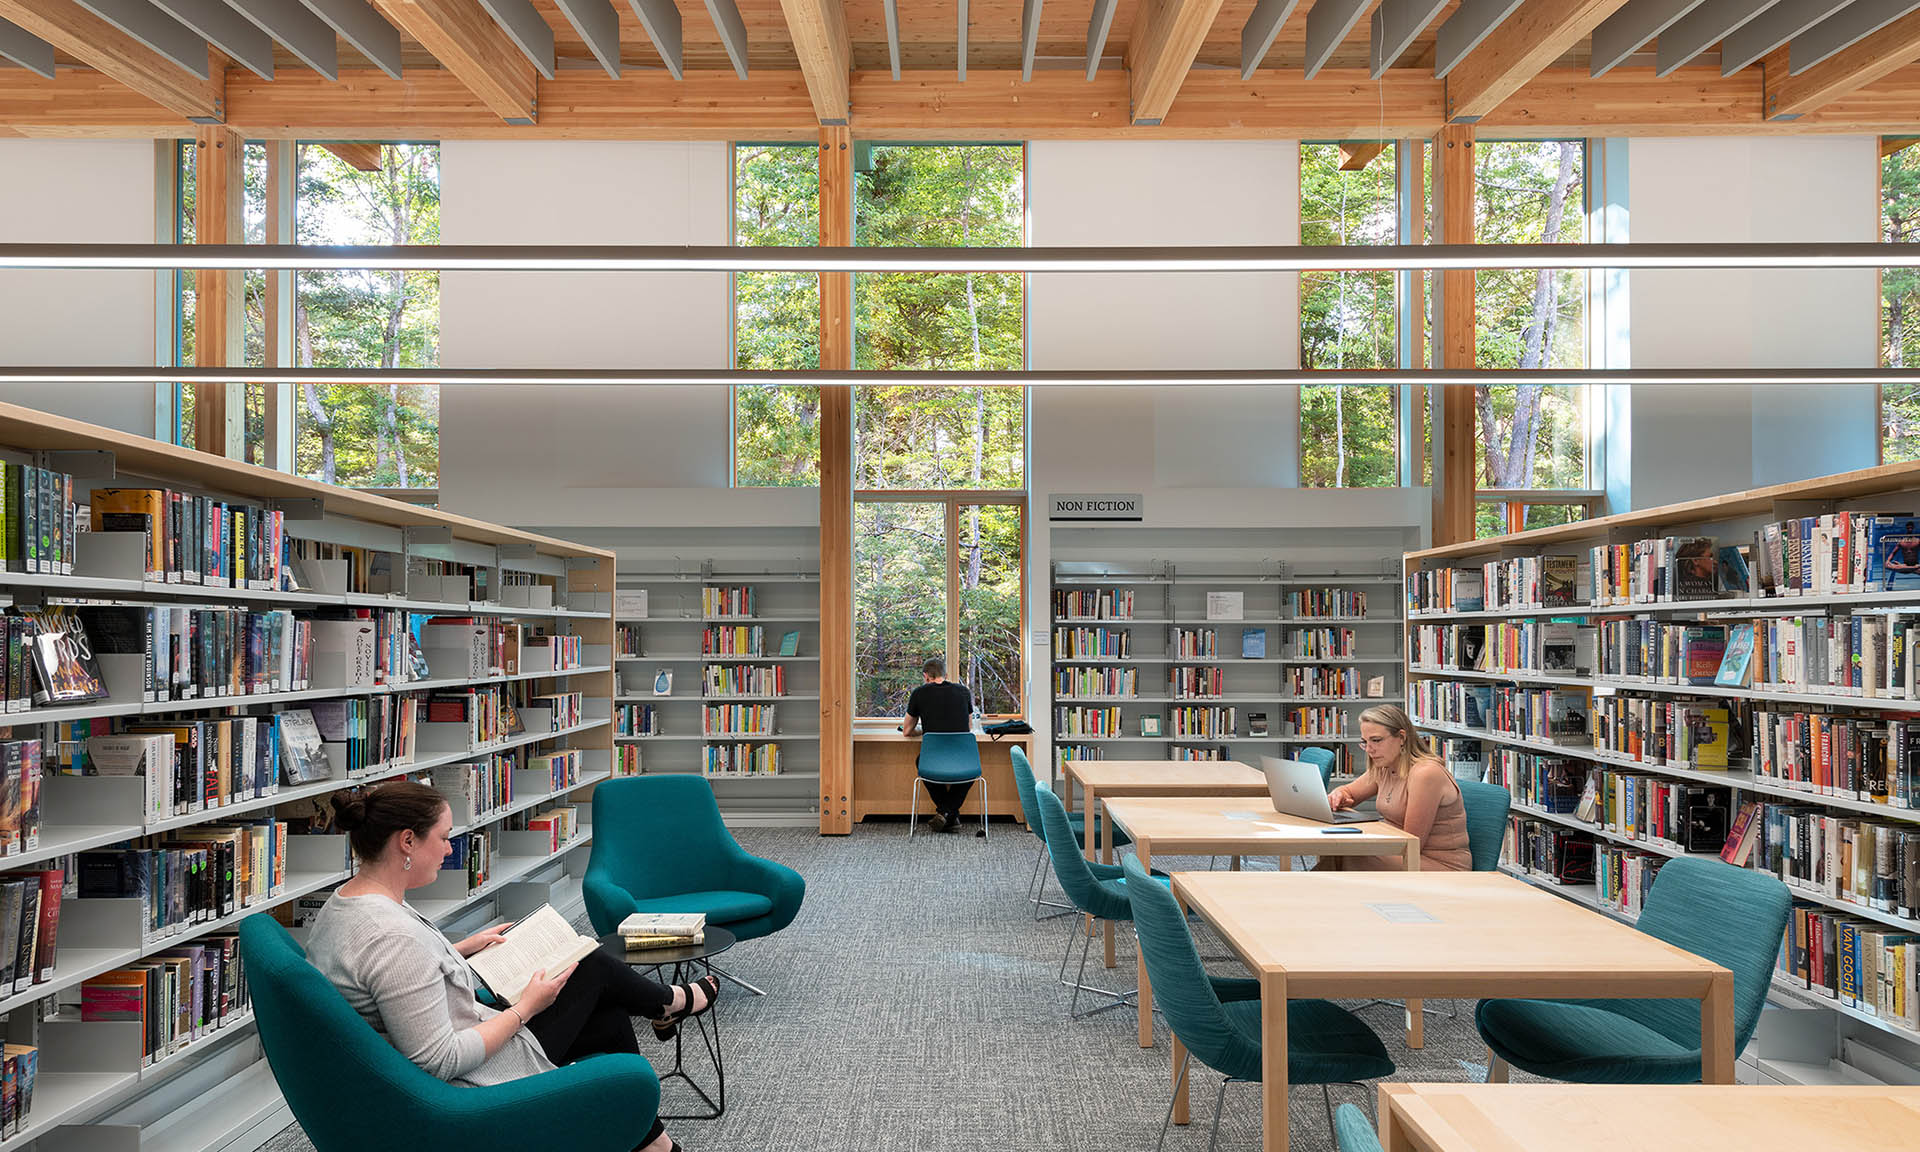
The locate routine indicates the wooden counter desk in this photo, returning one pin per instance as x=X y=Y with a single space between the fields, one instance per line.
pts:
x=883 y=767
x=1615 y=1117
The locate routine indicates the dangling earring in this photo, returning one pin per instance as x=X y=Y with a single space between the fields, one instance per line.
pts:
x=406 y=864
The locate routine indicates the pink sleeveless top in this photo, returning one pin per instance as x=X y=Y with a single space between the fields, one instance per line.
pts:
x=1445 y=845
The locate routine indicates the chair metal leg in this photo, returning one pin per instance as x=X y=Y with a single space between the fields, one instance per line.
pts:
x=1120 y=999
x=1496 y=1069
x=1035 y=878
x=732 y=979
x=1039 y=898
x=913 y=806
x=1454 y=1014
x=986 y=813
x=1179 y=1081
x=1326 y=1097
x=1219 y=1106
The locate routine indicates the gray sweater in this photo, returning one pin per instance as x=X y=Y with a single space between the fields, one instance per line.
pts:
x=406 y=980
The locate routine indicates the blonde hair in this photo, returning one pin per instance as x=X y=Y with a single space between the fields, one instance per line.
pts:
x=1414 y=744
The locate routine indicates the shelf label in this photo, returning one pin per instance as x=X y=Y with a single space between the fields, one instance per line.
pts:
x=1094 y=506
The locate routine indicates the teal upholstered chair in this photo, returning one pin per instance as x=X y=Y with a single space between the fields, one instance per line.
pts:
x=659 y=845
x=1321 y=758
x=352 y=1090
x=1026 y=785
x=1099 y=890
x=1218 y=1019
x=1734 y=917
x=1487 y=806
x=946 y=758
x=1353 y=1132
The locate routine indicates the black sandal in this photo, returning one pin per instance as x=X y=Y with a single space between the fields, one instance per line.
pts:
x=668 y=1026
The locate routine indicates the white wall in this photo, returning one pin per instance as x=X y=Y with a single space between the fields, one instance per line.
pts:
x=79 y=191
x=1695 y=442
x=590 y=456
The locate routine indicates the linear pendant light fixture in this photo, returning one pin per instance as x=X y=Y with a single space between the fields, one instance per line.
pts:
x=1254 y=378
x=719 y=258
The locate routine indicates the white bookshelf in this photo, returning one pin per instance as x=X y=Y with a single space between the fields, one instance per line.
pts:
x=1171 y=598
x=1730 y=520
x=786 y=600
x=92 y=1068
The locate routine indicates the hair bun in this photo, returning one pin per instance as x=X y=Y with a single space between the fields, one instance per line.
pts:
x=349 y=812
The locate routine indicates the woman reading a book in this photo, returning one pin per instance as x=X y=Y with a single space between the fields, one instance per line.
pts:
x=1414 y=792
x=416 y=989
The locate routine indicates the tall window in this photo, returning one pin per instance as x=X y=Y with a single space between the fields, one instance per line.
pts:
x=253 y=302
x=776 y=316
x=1349 y=436
x=1900 y=306
x=363 y=435
x=1531 y=437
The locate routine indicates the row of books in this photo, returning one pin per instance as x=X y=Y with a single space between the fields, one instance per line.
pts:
x=176 y=996
x=1303 y=603
x=1661 y=569
x=476 y=647
x=734 y=640
x=1097 y=681
x=645 y=930
x=1192 y=752
x=626 y=640
x=1866 y=654
x=1196 y=682
x=1064 y=753
x=1323 y=643
x=482 y=786
x=1084 y=721
x=562 y=710
x=628 y=760
x=1869 y=967
x=636 y=720
x=1855 y=859
x=472 y=854
x=191 y=876
x=30 y=904
x=561 y=823
x=1518 y=582
x=1195 y=642
x=1623 y=876
x=1858 y=757
x=1676 y=814
x=736 y=719
x=1321 y=681
x=740 y=759
x=1839 y=552
x=1455 y=702
x=1092 y=643
x=184 y=652
x=1534 y=647
x=1093 y=603
x=1204 y=723
x=1315 y=720
x=743 y=680
x=193 y=539
x=42 y=520
x=1662 y=730
x=1552 y=715
x=1660 y=651
x=729 y=600
x=1546 y=851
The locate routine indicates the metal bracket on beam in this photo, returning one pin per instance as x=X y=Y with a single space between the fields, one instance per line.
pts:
x=302 y=508
x=423 y=539
x=580 y=563
x=91 y=463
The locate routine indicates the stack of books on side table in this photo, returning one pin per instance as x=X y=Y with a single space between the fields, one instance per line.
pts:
x=647 y=930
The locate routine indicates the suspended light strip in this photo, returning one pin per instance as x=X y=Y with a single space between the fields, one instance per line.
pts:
x=1256 y=378
x=716 y=258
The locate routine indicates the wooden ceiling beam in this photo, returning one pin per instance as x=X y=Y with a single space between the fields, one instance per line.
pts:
x=468 y=44
x=360 y=155
x=1524 y=45
x=1788 y=96
x=1355 y=155
x=112 y=52
x=1166 y=37
x=818 y=29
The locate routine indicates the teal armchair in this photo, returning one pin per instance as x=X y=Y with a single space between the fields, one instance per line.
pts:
x=1027 y=786
x=1487 y=806
x=1353 y=1132
x=659 y=845
x=1099 y=890
x=1321 y=758
x=352 y=1091
x=1218 y=1019
x=946 y=758
x=1732 y=916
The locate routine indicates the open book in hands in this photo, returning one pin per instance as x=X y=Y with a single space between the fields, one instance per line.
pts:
x=542 y=942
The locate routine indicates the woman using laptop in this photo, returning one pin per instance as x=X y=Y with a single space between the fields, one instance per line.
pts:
x=1413 y=790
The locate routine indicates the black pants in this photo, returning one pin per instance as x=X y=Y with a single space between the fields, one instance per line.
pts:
x=948 y=797
x=594 y=1014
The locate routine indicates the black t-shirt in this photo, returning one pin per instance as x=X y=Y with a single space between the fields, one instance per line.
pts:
x=942 y=707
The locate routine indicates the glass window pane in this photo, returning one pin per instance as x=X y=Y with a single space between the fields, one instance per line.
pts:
x=1531 y=191
x=187 y=160
x=359 y=434
x=1549 y=515
x=1900 y=306
x=254 y=301
x=899 y=600
x=989 y=609
x=776 y=316
x=1489 y=519
x=937 y=438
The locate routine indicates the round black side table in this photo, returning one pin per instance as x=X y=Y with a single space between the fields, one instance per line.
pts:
x=684 y=964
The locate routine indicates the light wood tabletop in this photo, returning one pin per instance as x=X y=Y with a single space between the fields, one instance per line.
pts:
x=1101 y=779
x=1628 y=1118
x=1241 y=826
x=1447 y=934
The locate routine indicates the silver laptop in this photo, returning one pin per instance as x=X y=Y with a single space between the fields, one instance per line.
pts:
x=1297 y=790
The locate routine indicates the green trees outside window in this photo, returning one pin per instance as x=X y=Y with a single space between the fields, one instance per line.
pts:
x=1900 y=306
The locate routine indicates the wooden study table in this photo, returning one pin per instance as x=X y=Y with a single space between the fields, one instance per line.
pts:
x=1608 y=1117
x=1216 y=826
x=1102 y=779
x=1394 y=935
x=883 y=770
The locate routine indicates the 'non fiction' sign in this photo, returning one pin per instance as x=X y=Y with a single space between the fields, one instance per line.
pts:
x=1095 y=506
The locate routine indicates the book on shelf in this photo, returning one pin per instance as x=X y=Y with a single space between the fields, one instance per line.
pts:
x=1256 y=723
x=541 y=942
x=1376 y=686
x=1226 y=605
x=303 y=758
x=790 y=644
x=1736 y=658
x=149 y=756
x=1742 y=835
x=65 y=669
x=1894 y=548
x=1733 y=574
x=1558 y=574
x=1149 y=725
x=630 y=603
x=663 y=682
x=1253 y=643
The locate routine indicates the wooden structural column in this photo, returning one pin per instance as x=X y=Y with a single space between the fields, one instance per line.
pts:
x=1454 y=346
x=836 y=492
x=219 y=410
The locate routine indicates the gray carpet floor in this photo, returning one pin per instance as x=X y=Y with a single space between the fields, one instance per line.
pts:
x=913 y=1007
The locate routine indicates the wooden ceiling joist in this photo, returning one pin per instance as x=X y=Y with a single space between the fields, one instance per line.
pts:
x=819 y=32
x=297 y=30
x=732 y=31
x=661 y=19
x=599 y=28
x=474 y=50
x=360 y=155
x=1626 y=31
x=1466 y=29
x=1843 y=29
x=1524 y=45
x=25 y=49
x=962 y=20
x=226 y=30
x=1790 y=95
x=528 y=30
x=1701 y=29
x=121 y=57
x=1166 y=37
x=358 y=24
x=1029 y=36
x=1099 y=25
x=1355 y=155
x=1396 y=25
x=1750 y=42
x=157 y=30
x=1260 y=30
x=1328 y=23
x=891 y=16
